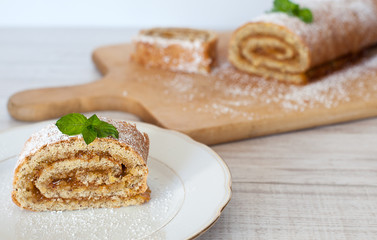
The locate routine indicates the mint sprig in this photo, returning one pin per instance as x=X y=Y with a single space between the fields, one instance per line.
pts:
x=293 y=9
x=90 y=128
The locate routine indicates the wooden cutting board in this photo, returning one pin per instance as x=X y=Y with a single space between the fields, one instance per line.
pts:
x=223 y=106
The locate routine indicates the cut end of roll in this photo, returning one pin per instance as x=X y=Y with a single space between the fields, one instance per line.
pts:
x=269 y=50
x=276 y=45
x=59 y=172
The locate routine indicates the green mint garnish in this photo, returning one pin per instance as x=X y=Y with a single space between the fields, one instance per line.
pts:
x=293 y=9
x=90 y=128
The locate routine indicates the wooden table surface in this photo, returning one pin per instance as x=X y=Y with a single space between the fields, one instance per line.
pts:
x=312 y=184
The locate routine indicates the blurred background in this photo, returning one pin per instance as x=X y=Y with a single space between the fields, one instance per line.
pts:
x=49 y=43
x=213 y=14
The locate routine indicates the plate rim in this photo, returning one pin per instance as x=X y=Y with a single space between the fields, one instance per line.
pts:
x=227 y=173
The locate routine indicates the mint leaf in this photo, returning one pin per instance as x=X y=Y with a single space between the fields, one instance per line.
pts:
x=76 y=123
x=93 y=120
x=89 y=134
x=306 y=15
x=105 y=129
x=71 y=124
x=293 y=9
x=285 y=6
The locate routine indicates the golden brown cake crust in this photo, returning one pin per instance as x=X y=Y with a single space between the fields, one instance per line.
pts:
x=176 y=49
x=282 y=47
x=60 y=172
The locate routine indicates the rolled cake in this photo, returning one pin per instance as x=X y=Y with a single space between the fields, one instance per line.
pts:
x=60 y=172
x=176 y=49
x=275 y=45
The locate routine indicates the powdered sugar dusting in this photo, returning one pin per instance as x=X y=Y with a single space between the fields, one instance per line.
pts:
x=191 y=60
x=166 y=42
x=235 y=96
x=128 y=134
x=195 y=64
x=176 y=49
x=239 y=91
x=181 y=83
x=47 y=135
x=339 y=27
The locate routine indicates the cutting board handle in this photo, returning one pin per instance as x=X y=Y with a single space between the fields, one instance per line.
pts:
x=47 y=103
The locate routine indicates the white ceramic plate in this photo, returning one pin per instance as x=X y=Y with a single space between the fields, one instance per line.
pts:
x=190 y=186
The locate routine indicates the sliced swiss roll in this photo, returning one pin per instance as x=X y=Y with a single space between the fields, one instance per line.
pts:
x=60 y=172
x=176 y=49
x=282 y=47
